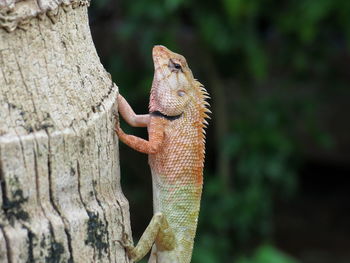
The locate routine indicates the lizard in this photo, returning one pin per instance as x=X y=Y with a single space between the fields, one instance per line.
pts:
x=176 y=149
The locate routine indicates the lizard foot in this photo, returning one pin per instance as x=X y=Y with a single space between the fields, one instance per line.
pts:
x=126 y=242
x=117 y=128
x=128 y=245
x=115 y=114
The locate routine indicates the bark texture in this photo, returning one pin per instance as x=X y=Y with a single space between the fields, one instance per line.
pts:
x=60 y=196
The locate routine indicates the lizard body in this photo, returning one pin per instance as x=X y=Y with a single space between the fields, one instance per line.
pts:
x=176 y=149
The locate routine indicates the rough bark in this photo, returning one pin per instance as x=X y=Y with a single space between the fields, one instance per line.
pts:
x=60 y=196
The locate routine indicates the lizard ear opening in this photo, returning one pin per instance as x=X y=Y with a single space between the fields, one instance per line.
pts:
x=181 y=93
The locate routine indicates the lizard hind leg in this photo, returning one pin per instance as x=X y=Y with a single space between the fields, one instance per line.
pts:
x=153 y=256
x=158 y=231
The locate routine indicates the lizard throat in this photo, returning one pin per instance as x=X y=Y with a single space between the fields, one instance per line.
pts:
x=170 y=118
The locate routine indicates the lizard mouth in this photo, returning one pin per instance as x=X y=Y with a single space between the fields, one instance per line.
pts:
x=170 y=118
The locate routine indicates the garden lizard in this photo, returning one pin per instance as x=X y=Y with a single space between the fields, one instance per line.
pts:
x=176 y=149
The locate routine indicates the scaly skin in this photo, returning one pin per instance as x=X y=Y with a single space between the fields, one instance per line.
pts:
x=176 y=155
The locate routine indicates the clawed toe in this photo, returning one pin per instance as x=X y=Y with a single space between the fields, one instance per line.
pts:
x=126 y=242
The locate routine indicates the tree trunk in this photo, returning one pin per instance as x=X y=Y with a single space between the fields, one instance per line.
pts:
x=60 y=195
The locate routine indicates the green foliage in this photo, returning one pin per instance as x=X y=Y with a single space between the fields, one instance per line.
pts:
x=264 y=151
x=267 y=254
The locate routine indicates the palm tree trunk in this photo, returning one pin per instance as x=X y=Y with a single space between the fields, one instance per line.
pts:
x=60 y=196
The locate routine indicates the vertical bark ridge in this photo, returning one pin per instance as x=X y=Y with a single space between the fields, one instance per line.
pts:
x=53 y=204
x=5 y=249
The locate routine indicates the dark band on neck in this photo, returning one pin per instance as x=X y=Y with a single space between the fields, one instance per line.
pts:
x=170 y=118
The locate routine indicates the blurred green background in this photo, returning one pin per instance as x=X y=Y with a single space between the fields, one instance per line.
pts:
x=278 y=145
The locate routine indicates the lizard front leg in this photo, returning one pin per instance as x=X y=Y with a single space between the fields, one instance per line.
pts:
x=158 y=231
x=133 y=119
x=155 y=134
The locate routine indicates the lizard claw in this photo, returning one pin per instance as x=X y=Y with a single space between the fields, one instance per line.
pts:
x=128 y=245
x=116 y=115
x=117 y=130
x=126 y=241
x=117 y=123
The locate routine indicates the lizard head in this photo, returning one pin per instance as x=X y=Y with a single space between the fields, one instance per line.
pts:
x=174 y=89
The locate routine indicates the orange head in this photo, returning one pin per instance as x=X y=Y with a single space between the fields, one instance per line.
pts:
x=174 y=89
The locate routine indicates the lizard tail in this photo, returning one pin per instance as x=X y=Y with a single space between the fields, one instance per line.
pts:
x=153 y=256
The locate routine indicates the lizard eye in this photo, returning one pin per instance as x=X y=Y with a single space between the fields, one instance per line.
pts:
x=177 y=66
x=174 y=66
